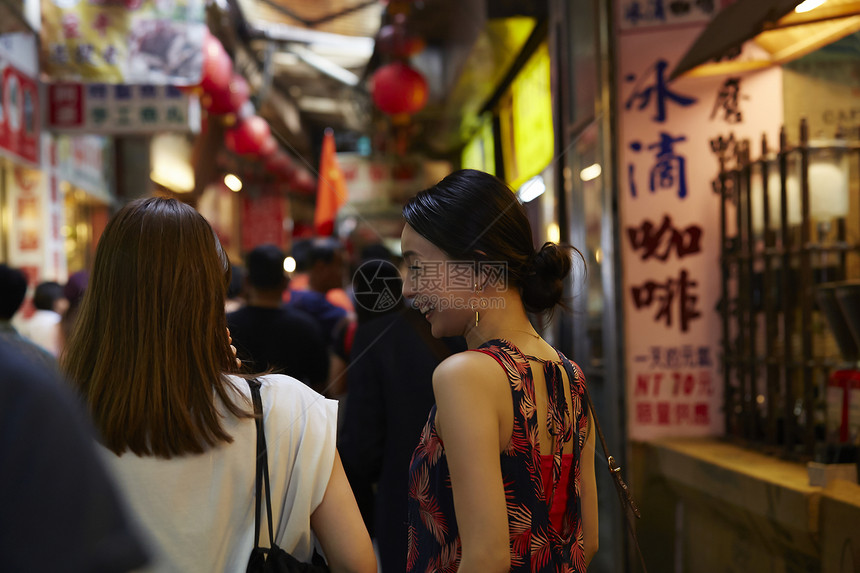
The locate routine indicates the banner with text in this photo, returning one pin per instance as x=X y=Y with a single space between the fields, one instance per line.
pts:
x=121 y=109
x=669 y=216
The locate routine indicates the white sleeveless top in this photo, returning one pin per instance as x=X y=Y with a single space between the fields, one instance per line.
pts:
x=197 y=511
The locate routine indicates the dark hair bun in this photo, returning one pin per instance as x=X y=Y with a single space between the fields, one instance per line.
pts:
x=543 y=283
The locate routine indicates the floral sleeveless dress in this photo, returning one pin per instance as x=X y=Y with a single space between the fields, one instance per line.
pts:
x=536 y=545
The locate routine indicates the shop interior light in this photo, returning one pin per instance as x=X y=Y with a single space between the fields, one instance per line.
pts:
x=553 y=234
x=531 y=189
x=171 y=162
x=233 y=183
x=591 y=172
x=289 y=264
x=808 y=5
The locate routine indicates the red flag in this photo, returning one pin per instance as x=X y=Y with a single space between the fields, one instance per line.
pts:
x=331 y=188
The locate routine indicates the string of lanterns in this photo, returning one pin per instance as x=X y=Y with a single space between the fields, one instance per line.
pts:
x=226 y=94
x=398 y=89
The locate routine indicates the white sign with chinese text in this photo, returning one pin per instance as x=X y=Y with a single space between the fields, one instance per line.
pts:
x=670 y=225
x=121 y=109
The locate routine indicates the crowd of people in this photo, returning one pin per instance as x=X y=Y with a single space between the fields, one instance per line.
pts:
x=414 y=419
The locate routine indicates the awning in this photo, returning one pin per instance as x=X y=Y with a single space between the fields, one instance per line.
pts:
x=779 y=35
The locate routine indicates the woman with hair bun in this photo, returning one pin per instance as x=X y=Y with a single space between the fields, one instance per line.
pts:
x=503 y=476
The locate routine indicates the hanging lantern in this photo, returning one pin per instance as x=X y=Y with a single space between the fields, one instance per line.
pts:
x=248 y=136
x=399 y=89
x=280 y=165
x=228 y=100
x=303 y=182
x=217 y=66
x=268 y=147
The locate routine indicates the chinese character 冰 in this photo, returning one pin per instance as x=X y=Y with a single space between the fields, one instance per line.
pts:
x=658 y=91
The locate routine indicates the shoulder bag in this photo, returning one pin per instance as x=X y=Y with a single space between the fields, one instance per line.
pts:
x=628 y=505
x=272 y=559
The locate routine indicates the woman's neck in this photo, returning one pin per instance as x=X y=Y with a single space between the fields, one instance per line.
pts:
x=505 y=321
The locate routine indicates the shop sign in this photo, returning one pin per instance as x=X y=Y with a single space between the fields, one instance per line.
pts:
x=480 y=151
x=366 y=180
x=645 y=14
x=670 y=227
x=27 y=206
x=19 y=114
x=81 y=161
x=526 y=121
x=263 y=220
x=123 y=41
x=121 y=109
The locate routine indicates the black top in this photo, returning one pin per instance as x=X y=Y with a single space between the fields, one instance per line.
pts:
x=285 y=340
x=61 y=511
x=390 y=381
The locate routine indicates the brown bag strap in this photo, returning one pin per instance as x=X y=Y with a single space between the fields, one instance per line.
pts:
x=628 y=504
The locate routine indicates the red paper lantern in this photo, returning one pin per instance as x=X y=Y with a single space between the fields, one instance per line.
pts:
x=280 y=165
x=399 y=89
x=248 y=136
x=303 y=182
x=217 y=66
x=268 y=147
x=228 y=100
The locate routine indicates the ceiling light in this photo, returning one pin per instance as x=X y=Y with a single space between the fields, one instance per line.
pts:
x=531 y=189
x=591 y=172
x=233 y=183
x=808 y=5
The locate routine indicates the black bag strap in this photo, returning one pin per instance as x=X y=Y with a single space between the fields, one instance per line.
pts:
x=262 y=466
x=628 y=505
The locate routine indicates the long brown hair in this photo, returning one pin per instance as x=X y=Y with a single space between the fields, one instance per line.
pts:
x=149 y=350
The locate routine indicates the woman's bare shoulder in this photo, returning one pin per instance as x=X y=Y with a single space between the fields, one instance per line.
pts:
x=476 y=368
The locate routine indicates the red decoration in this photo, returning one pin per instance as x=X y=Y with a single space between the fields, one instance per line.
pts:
x=248 y=136
x=217 y=66
x=399 y=89
x=280 y=165
x=268 y=147
x=303 y=182
x=228 y=100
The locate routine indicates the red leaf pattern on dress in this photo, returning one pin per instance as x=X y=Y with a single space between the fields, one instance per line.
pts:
x=536 y=547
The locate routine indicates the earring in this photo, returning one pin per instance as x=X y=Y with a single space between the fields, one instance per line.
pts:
x=474 y=307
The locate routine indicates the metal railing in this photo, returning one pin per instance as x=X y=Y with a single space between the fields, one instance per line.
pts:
x=778 y=347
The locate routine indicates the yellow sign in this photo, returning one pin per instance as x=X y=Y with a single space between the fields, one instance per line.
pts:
x=480 y=152
x=526 y=121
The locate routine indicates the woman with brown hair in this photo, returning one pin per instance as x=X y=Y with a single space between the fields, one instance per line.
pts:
x=151 y=356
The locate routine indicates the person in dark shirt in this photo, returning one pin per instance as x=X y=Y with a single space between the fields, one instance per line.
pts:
x=61 y=510
x=13 y=289
x=323 y=261
x=269 y=335
x=390 y=396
